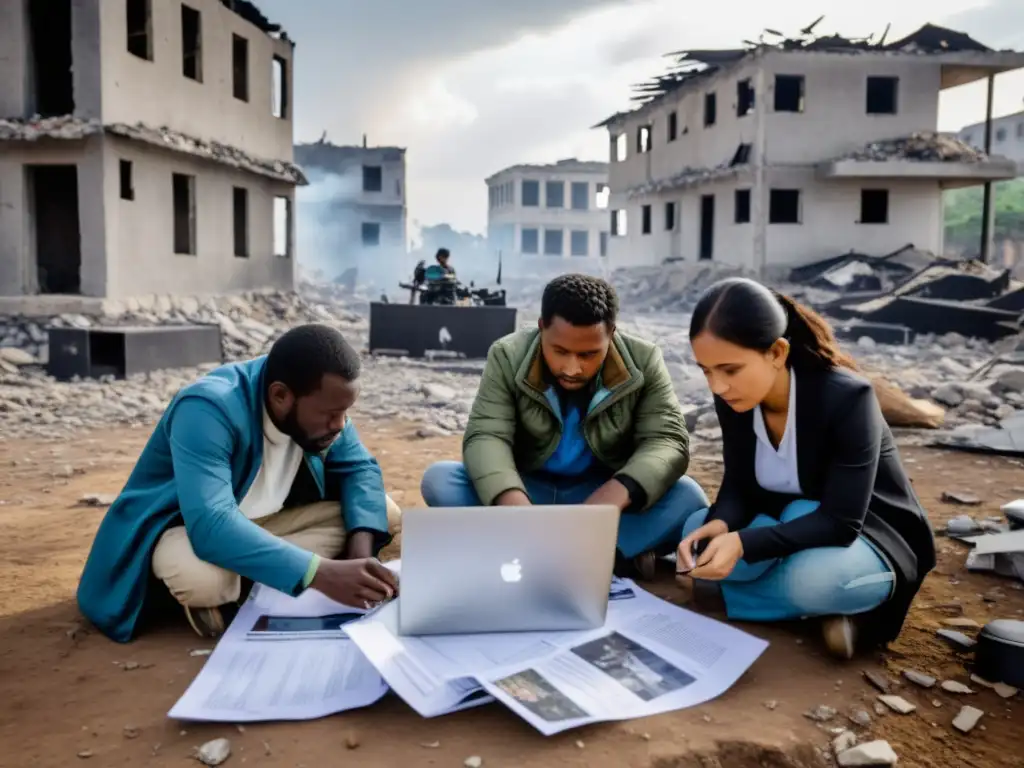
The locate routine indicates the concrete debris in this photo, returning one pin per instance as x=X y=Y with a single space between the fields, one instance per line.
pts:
x=873 y=753
x=821 y=714
x=919 y=678
x=965 y=499
x=967 y=719
x=952 y=686
x=690 y=177
x=60 y=128
x=958 y=640
x=878 y=680
x=844 y=742
x=214 y=752
x=925 y=146
x=897 y=704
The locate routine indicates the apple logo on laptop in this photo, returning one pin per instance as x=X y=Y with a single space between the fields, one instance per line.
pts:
x=512 y=572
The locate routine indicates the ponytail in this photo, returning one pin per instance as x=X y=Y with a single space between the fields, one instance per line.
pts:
x=812 y=344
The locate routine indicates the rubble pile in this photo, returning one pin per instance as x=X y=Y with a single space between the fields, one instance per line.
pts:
x=924 y=146
x=63 y=127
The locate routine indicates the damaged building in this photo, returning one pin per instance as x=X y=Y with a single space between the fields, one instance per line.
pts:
x=789 y=150
x=1007 y=137
x=550 y=211
x=145 y=148
x=354 y=212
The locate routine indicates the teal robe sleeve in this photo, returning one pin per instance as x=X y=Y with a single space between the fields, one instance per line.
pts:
x=363 y=499
x=202 y=443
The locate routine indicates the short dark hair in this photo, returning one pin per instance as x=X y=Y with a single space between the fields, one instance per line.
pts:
x=580 y=300
x=442 y=253
x=302 y=356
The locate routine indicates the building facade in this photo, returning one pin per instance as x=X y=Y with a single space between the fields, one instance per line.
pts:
x=1007 y=137
x=354 y=212
x=783 y=155
x=549 y=211
x=145 y=148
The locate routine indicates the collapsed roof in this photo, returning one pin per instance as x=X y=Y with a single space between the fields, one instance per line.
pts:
x=698 y=64
x=69 y=128
x=251 y=13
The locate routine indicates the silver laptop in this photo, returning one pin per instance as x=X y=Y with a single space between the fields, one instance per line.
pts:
x=506 y=569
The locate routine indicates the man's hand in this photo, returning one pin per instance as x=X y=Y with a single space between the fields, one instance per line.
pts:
x=613 y=492
x=359 y=546
x=359 y=583
x=719 y=558
x=513 y=498
x=684 y=555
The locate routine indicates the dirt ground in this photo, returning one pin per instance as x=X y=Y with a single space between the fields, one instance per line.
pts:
x=66 y=697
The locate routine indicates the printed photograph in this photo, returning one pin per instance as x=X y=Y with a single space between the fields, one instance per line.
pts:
x=620 y=590
x=633 y=667
x=533 y=691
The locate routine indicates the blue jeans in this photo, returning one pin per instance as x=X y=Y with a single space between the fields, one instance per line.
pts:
x=446 y=484
x=824 y=581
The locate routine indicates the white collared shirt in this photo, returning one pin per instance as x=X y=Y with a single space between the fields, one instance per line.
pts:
x=282 y=458
x=776 y=469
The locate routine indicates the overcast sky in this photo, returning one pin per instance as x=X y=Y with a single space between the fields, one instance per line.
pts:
x=472 y=86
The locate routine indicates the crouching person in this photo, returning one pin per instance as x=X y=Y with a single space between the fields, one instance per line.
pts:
x=254 y=471
x=575 y=412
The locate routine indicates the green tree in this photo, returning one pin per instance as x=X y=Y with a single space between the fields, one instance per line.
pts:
x=963 y=209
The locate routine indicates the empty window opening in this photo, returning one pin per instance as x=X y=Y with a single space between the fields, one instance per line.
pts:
x=554 y=194
x=670 y=216
x=191 y=44
x=1001 y=134
x=580 y=195
x=710 y=109
x=531 y=241
x=784 y=206
x=553 y=242
x=140 y=28
x=531 y=193
x=283 y=227
x=789 y=93
x=673 y=126
x=619 y=223
x=742 y=155
x=874 y=206
x=741 y=203
x=373 y=178
x=127 y=182
x=707 y=228
x=882 y=95
x=604 y=243
x=371 y=234
x=579 y=242
x=279 y=73
x=241 y=218
x=58 y=248
x=601 y=195
x=744 y=98
x=52 y=77
x=644 y=141
x=240 y=67
x=1020 y=130
x=619 y=145
x=184 y=193
x=645 y=220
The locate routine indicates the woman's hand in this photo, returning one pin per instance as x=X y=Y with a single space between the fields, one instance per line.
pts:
x=719 y=558
x=684 y=555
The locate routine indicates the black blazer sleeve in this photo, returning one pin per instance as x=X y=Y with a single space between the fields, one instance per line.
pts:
x=730 y=505
x=854 y=438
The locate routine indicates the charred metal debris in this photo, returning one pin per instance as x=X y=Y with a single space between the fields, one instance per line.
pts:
x=698 y=64
x=69 y=128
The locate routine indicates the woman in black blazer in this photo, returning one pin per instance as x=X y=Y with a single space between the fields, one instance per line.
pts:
x=815 y=515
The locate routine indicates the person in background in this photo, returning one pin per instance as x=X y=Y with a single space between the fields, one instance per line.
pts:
x=443 y=258
x=576 y=412
x=815 y=516
x=255 y=470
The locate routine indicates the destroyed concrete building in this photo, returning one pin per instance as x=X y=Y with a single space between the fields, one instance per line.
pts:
x=1007 y=137
x=145 y=149
x=354 y=212
x=549 y=211
x=789 y=150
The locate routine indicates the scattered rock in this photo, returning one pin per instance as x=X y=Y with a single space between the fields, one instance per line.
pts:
x=821 y=714
x=1004 y=691
x=214 y=752
x=961 y=622
x=873 y=753
x=97 y=500
x=771 y=704
x=861 y=717
x=897 y=704
x=919 y=678
x=473 y=762
x=431 y=745
x=844 y=742
x=958 y=640
x=85 y=754
x=580 y=745
x=131 y=732
x=200 y=652
x=352 y=741
x=952 y=686
x=964 y=499
x=967 y=719
x=877 y=679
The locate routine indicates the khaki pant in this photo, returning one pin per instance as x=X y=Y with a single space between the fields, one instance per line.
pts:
x=198 y=584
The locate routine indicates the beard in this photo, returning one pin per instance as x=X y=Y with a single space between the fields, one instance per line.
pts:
x=308 y=443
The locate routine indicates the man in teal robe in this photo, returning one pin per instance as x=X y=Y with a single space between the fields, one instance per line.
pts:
x=254 y=471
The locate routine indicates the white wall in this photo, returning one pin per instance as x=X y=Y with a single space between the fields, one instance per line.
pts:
x=141 y=231
x=157 y=93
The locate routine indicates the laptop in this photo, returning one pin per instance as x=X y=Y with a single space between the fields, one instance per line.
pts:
x=506 y=569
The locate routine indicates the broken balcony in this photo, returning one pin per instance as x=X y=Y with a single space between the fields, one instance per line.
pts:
x=923 y=156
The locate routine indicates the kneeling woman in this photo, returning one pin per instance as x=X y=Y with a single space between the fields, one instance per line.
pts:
x=815 y=516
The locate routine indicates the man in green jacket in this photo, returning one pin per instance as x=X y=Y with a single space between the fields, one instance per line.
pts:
x=575 y=412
